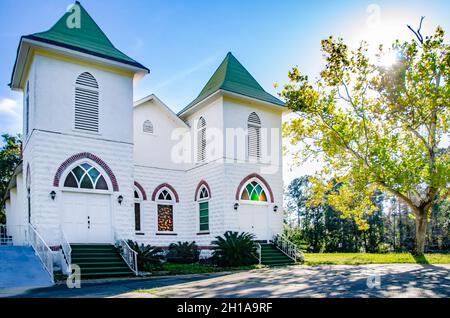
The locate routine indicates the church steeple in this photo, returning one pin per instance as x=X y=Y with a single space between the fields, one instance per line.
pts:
x=232 y=76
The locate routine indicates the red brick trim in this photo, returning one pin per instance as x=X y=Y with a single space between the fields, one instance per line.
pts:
x=141 y=188
x=85 y=155
x=200 y=184
x=257 y=176
x=165 y=185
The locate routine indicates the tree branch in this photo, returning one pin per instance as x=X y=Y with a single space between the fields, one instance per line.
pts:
x=417 y=33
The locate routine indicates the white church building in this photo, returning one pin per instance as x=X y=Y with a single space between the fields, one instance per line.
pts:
x=97 y=167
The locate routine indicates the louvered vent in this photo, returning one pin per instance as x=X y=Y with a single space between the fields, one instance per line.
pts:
x=86 y=103
x=201 y=139
x=148 y=127
x=254 y=135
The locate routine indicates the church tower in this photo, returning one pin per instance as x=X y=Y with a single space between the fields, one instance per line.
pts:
x=77 y=130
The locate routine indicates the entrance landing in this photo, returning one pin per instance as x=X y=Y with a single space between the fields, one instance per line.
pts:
x=21 y=269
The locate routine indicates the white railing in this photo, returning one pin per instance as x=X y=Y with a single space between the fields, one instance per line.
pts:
x=5 y=239
x=128 y=254
x=287 y=247
x=41 y=248
x=259 y=251
x=13 y=234
x=67 y=251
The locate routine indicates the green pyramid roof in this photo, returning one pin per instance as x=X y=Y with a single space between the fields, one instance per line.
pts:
x=89 y=38
x=231 y=76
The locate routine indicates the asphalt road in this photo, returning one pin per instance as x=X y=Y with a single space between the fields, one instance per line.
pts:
x=393 y=280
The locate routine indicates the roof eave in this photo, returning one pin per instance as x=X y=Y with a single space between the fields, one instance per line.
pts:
x=13 y=181
x=192 y=107
x=26 y=42
x=169 y=111
x=254 y=100
x=86 y=51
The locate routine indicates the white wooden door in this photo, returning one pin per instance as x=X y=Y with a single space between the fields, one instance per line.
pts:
x=86 y=217
x=254 y=219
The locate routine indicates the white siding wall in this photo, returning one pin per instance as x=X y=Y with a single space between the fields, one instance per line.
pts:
x=54 y=99
x=48 y=151
x=213 y=114
x=54 y=139
x=154 y=150
x=148 y=162
x=16 y=217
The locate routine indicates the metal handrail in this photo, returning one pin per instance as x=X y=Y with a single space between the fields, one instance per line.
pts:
x=259 y=251
x=287 y=247
x=67 y=251
x=41 y=248
x=128 y=254
x=5 y=239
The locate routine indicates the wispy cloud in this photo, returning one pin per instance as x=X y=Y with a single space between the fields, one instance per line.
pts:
x=10 y=116
x=185 y=73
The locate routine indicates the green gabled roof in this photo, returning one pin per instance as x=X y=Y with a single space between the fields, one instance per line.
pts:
x=231 y=76
x=89 y=38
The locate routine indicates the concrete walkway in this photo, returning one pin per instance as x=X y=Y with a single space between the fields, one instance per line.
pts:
x=20 y=269
x=394 y=280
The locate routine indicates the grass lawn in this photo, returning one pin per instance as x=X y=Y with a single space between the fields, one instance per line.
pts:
x=180 y=269
x=366 y=258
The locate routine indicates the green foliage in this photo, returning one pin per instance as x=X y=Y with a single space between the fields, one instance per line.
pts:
x=376 y=127
x=234 y=249
x=365 y=258
x=148 y=257
x=391 y=228
x=183 y=253
x=9 y=158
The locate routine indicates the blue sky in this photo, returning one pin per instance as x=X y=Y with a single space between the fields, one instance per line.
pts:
x=183 y=42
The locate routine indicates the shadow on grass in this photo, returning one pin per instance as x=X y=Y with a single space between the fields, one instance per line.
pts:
x=420 y=259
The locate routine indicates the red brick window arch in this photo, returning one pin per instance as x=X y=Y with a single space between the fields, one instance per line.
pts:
x=79 y=158
x=254 y=188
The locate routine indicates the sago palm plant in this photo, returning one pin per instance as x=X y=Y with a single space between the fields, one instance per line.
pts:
x=148 y=257
x=234 y=249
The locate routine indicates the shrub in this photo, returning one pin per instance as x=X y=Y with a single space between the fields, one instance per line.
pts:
x=183 y=253
x=148 y=257
x=234 y=249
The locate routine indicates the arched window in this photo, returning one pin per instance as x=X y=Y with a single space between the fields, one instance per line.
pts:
x=201 y=139
x=85 y=176
x=165 y=199
x=137 y=210
x=147 y=127
x=86 y=103
x=254 y=135
x=253 y=191
x=203 y=209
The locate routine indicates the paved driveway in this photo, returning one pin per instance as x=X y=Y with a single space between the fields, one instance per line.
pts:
x=395 y=280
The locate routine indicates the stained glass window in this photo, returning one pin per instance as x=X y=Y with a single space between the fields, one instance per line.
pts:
x=254 y=192
x=165 y=218
x=85 y=176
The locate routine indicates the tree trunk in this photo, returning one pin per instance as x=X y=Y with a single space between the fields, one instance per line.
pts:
x=421 y=231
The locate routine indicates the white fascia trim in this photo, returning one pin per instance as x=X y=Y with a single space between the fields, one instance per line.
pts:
x=193 y=108
x=85 y=56
x=231 y=94
x=254 y=100
x=168 y=111
x=27 y=43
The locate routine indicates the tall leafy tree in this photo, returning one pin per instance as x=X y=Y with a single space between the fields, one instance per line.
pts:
x=9 y=158
x=377 y=127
